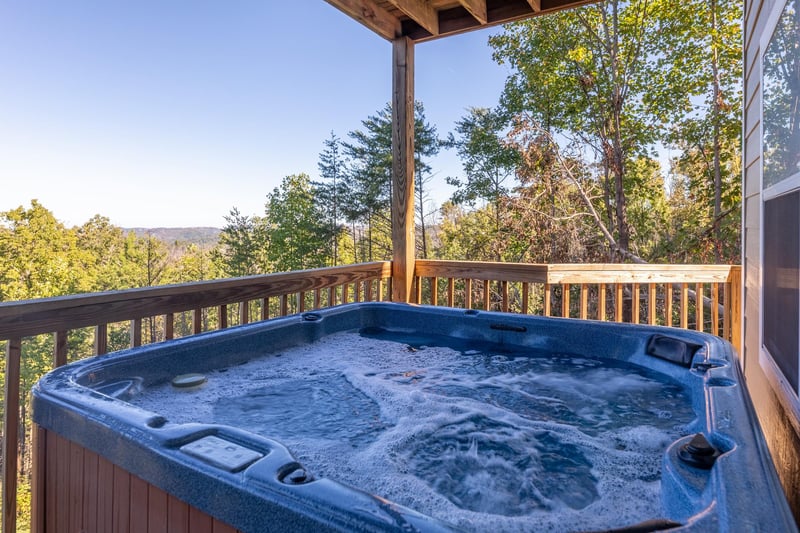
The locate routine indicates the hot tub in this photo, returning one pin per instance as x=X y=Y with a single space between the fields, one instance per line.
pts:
x=379 y=416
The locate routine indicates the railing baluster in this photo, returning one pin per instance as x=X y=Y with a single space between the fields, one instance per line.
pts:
x=11 y=434
x=619 y=301
x=380 y=290
x=726 y=310
x=468 y=293
x=684 y=305
x=331 y=296
x=451 y=292
x=100 y=339
x=356 y=291
x=504 y=293
x=434 y=291
x=698 y=307
x=565 y=296
x=345 y=293
x=526 y=289
x=284 y=304
x=547 y=299
x=668 y=304
x=715 y=308
x=60 y=349
x=635 y=303
x=301 y=301
x=136 y=332
x=244 y=312
x=197 y=321
x=601 y=302
x=222 y=316
x=169 y=326
x=486 y=294
x=584 y=312
x=264 y=308
x=651 y=304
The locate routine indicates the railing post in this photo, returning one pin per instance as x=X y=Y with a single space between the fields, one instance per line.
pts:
x=11 y=435
x=735 y=308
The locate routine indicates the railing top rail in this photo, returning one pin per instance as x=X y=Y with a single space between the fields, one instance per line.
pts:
x=638 y=273
x=34 y=317
x=533 y=273
x=575 y=273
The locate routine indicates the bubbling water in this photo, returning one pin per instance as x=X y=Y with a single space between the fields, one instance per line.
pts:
x=474 y=435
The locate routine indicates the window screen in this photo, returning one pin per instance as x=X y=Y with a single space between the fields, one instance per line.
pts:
x=781 y=310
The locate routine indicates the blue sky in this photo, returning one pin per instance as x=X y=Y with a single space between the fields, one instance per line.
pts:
x=171 y=113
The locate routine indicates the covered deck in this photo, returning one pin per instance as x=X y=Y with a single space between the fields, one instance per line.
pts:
x=701 y=297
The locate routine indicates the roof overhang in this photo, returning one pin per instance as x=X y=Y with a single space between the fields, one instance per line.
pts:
x=423 y=20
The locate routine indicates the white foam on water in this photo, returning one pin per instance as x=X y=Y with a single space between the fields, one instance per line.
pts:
x=485 y=442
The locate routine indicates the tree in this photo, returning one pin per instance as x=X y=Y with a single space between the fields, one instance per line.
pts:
x=330 y=192
x=488 y=162
x=295 y=226
x=369 y=179
x=242 y=247
x=701 y=78
x=592 y=60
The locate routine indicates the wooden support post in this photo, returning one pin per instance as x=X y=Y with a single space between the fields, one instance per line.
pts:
x=265 y=308
x=222 y=316
x=468 y=293
x=402 y=169
x=11 y=434
x=504 y=294
x=434 y=291
x=565 y=300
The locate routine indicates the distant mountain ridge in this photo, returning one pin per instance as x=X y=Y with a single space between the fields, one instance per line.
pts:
x=198 y=235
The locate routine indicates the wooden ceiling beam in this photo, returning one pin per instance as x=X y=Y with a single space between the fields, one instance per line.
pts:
x=420 y=11
x=374 y=17
x=476 y=8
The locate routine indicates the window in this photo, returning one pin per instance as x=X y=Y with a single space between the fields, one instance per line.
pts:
x=780 y=193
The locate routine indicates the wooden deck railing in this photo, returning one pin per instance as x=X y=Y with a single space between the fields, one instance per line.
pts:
x=665 y=295
x=227 y=302
x=652 y=294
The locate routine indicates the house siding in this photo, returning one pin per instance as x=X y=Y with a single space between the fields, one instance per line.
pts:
x=776 y=421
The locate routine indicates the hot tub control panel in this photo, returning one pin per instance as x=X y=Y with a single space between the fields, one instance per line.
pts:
x=221 y=453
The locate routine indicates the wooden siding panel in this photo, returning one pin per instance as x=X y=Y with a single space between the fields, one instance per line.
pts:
x=83 y=492
x=90 y=502
x=156 y=510
x=75 y=487
x=122 y=501
x=138 y=504
x=752 y=149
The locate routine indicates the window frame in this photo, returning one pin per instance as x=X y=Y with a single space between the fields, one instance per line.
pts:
x=787 y=395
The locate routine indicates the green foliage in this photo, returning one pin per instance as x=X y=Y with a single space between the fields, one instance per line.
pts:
x=295 y=226
x=242 y=248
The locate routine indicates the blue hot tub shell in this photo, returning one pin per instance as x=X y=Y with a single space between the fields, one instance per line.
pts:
x=268 y=490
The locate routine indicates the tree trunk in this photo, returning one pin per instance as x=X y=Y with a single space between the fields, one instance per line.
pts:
x=715 y=118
